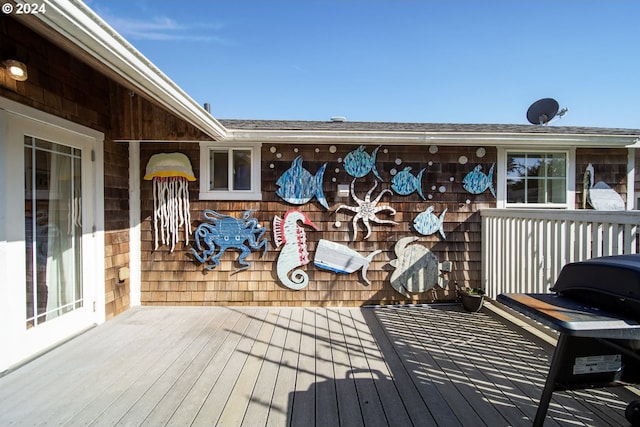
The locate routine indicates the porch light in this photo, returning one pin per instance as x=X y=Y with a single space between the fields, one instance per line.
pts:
x=17 y=70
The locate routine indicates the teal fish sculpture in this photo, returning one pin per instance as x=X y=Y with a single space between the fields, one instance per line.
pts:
x=427 y=222
x=476 y=181
x=405 y=182
x=297 y=186
x=359 y=163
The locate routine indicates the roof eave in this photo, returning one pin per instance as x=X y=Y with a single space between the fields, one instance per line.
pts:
x=80 y=25
x=428 y=138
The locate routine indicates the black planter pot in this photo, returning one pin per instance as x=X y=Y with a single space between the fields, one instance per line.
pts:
x=472 y=303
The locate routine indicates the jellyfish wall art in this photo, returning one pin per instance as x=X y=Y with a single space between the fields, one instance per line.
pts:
x=170 y=173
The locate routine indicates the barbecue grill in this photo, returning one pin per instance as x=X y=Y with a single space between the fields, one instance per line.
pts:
x=595 y=306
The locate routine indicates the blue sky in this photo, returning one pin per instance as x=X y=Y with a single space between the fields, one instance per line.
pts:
x=404 y=61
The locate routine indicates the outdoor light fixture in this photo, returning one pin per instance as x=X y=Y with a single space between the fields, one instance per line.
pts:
x=17 y=70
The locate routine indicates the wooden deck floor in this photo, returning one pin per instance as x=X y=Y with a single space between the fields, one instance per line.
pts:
x=399 y=366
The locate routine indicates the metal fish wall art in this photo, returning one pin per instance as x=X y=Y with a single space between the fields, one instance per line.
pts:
x=427 y=222
x=416 y=269
x=359 y=163
x=476 y=182
x=293 y=239
x=405 y=183
x=342 y=259
x=297 y=186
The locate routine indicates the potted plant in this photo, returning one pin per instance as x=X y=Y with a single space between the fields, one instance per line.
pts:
x=471 y=298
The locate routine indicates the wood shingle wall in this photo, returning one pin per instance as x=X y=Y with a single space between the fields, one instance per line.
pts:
x=177 y=278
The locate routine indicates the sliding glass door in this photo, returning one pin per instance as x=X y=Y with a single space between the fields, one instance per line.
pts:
x=53 y=230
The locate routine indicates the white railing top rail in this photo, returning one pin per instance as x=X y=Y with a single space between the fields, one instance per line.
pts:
x=621 y=217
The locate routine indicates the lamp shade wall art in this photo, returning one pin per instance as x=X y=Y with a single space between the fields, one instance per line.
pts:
x=170 y=174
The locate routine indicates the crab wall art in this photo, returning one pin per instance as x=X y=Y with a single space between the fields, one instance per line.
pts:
x=367 y=210
x=223 y=232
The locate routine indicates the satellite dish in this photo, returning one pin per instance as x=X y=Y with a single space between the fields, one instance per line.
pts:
x=542 y=111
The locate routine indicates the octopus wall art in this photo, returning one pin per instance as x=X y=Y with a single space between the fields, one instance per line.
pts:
x=222 y=232
x=367 y=210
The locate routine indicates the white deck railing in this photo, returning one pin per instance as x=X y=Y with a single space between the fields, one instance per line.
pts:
x=524 y=250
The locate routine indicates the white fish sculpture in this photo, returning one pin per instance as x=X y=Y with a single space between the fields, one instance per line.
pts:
x=342 y=259
x=427 y=222
x=476 y=182
x=416 y=268
x=298 y=186
x=287 y=232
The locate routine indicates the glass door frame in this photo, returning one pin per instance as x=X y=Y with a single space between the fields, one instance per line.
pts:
x=21 y=343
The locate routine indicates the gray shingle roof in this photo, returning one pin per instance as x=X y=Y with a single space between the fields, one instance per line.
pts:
x=347 y=126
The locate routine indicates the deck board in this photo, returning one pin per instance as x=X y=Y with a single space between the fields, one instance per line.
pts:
x=231 y=366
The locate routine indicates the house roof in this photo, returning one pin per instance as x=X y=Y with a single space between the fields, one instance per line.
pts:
x=78 y=29
x=426 y=133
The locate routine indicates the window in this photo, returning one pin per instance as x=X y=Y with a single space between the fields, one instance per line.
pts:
x=537 y=179
x=229 y=173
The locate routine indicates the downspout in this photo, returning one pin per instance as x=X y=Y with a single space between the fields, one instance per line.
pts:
x=135 y=253
x=631 y=178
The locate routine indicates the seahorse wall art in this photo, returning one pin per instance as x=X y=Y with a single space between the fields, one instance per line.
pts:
x=171 y=173
x=226 y=232
x=293 y=239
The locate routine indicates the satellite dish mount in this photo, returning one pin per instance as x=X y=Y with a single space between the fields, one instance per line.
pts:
x=542 y=111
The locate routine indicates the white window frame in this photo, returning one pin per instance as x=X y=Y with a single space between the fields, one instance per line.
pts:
x=570 y=198
x=255 y=193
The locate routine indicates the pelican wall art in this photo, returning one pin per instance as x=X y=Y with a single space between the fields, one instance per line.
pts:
x=600 y=196
x=170 y=173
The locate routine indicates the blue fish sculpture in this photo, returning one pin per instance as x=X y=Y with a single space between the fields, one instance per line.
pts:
x=358 y=162
x=405 y=182
x=476 y=182
x=427 y=222
x=298 y=186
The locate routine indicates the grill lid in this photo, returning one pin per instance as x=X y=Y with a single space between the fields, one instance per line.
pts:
x=609 y=283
